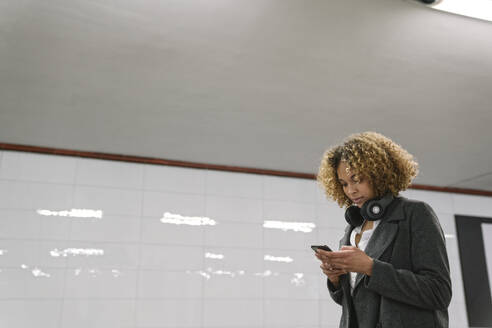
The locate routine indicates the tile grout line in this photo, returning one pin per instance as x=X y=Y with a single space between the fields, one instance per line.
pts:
x=203 y=238
x=263 y=289
x=139 y=250
x=65 y=272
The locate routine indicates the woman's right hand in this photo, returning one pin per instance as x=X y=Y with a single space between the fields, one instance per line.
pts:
x=331 y=272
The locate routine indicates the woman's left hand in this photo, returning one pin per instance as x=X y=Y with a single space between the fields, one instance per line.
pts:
x=351 y=259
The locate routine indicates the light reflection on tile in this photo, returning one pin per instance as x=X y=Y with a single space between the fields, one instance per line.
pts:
x=286 y=226
x=266 y=273
x=95 y=272
x=210 y=272
x=76 y=252
x=36 y=272
x=73 y=213
x=214 y=256
x=298 y=280
x=285 y=259
x=178 y=219
x=249 y=260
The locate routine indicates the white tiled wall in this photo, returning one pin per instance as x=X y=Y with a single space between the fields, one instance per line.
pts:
x=129 y=269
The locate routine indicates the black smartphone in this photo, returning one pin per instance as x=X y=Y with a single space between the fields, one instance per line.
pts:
x=323 y=247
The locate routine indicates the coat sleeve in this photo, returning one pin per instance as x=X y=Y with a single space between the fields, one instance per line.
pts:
x=335 y=293
x=428 y=284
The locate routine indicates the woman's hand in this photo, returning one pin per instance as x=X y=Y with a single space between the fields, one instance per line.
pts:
x=328 y=269
x=350 y=259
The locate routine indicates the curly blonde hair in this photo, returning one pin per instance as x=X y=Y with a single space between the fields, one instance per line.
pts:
x=387 y=166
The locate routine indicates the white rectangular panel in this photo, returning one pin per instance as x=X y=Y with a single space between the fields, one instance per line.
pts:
x=487 y=244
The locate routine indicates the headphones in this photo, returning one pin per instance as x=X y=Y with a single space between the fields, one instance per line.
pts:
x=372 y=210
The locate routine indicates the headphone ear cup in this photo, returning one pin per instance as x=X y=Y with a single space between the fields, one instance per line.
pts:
x=353 y=216
x=373 y=209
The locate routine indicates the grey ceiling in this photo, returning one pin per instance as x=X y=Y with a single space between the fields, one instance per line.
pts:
x=255 y=83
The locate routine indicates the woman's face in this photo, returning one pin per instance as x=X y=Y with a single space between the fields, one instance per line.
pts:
x=358 y=189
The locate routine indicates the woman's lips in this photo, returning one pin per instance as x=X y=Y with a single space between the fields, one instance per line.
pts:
x=357 y=200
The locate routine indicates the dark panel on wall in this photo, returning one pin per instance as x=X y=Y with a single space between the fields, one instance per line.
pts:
x=474 y=270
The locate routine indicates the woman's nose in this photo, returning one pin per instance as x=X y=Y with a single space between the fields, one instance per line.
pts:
x=351 y=188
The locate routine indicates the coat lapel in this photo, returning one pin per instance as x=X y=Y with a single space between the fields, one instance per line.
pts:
x=381 y=238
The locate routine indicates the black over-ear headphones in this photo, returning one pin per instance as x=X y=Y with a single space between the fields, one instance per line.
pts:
x=372 y=210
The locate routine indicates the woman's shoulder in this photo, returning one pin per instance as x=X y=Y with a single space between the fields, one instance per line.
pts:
x=412 y=203
x=417 y=209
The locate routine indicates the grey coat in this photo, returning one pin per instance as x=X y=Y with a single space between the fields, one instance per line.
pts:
x=410 y=284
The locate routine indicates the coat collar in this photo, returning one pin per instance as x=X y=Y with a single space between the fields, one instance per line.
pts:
x=382 y=237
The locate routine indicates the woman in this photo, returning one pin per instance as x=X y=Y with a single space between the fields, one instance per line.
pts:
x=392 y=268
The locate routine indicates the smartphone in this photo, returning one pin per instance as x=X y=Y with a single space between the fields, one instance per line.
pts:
x=323 y=247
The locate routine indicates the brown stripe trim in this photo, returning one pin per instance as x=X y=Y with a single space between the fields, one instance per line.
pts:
x=466 y=191
x=159 y=161
x=150 y=160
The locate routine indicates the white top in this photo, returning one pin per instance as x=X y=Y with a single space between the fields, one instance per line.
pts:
x=364 y=239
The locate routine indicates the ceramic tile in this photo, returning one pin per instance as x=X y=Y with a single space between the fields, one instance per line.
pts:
x=234 y=209
x=164 y=284
x=38 y=282
x=169 y=313
x=97 y=172
x=457 y=315
x=234 y=235
x=221 y=183
x=447 y=222
x=107 y=229
x=110 y=201
x=37 y=167
x=93 y=282
x=452 y=247
x=228 y=313
x=234 y=260
x=155 y=231
x=174 y=179
x=480 y=206
x=439 y=201
x=96 y=255
x=330 y=237
x=19 y=224
x=234 y=285
x=456 y=280
x=298 y=285
x=155 y=204
x=29 y=313
x=30 y=254
x=34 y=196
x=323 y=292
x=172 y=258
x=321 y=197
x=289 y=189
x=289 y=240
x=55 y=227
x=330 y=215
x=289 y=211
x=330 y=313
x=302 y=261
x=98 y=313
x=292 y=313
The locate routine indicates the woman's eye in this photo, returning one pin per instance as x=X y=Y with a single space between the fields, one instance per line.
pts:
x=357 y=179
